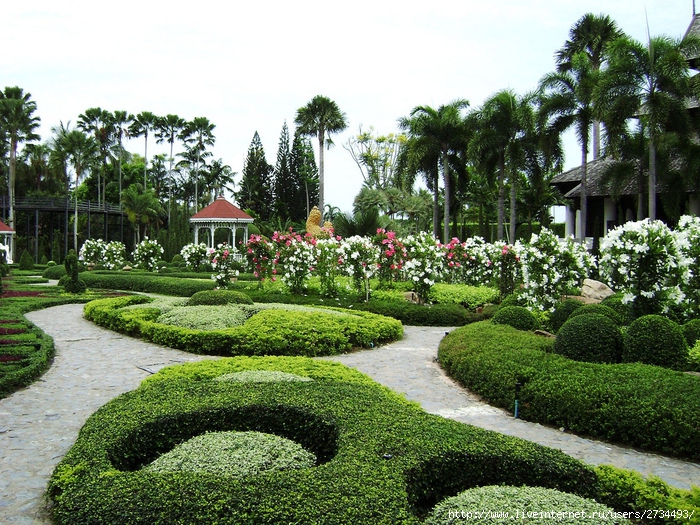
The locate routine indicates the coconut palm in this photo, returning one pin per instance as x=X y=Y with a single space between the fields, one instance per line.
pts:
x=197 y=135
x=320 y=117
x=652 y=83
x=142 y=125
x=438 y=131
x=18 y=123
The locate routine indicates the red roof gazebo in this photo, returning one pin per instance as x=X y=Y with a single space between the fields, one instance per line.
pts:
x=6 y=234
x=221 y=214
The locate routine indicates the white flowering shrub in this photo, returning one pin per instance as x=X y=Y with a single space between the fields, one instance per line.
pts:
x=552 y=268
x=146 y=254
x=92 y=251
x=477 y=267
x=222 y=259
x=114 y=257
x=687 y=237
x=294 y=260
x=195 y=256
x=641 y=259
x=425 y=262
x=359 y=258
x=329 y=263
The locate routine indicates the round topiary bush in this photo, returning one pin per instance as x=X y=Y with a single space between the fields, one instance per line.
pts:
x=177 y=259
x=598 y=309
x=516 y=316
x=217 y=297
x=590 y=337
x=501 y=504
x=691 y=332
x=655 y=340
x=562 y=311
x=622 y=309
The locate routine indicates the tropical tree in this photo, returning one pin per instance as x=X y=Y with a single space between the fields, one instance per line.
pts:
x=18 y=123
x=568 y=101
x=122 y=120
x=284 y=185
x=377 y=157
x=217 y=178
x=320 y=118
x=304 y=173
x=255 y=191
x=440 y=132
x=100 y=123
x=142 y=124
x=142 y=208
x=197 y=135
x=590 y=35
x=652 y=83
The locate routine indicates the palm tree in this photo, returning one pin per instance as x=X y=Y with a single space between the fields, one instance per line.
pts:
x=218 y=177
x=18 y=122
x=568 y=101
x=320 y=117
x=197 y=135
x=141 y=207
x=590 y=35
x=652 y=83
x=100 y=123
x=142 y=124
x=438 y=131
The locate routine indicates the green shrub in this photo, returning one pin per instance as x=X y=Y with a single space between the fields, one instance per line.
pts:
x=694 y=357
x=44 y=260
x=208 y=317
x=26 y=261
x=599 y=309
x=602 y=400
x=418 y=314
x=655 y=340
x=589 y=337
x=380 y=460
x=514 y=299
x=691 y=332
x=54 y=272
x=471 y=297
x=622 y=309
x=146 y=282
x=562 y=311
x=516 y=316
x=489 y=505
x=214 y=297
x=177 y=259
x=72 y=283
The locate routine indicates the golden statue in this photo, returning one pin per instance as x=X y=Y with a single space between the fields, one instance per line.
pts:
x=313 y=225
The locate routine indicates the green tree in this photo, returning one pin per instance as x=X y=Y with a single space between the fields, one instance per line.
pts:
x=100 y=123
x=217 y=178
x=168 y=129
x=377 y=157
x=122 y=121
x=302 y=166
x=284 y=188
x=141 y=125
x=255 y=191
x=142 y=208
x=197 y=135
x=18 y=123
x=438 y=131
x=320 y=118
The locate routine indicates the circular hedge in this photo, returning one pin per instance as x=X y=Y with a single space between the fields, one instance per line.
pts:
x=218 y=297
x=503 y=504
x=562 y=311
x=691 y=332
x=598 y=309
x=589 y=337
x=615 y=302
x=516 y=316
x=380 y=459
x=655 y=340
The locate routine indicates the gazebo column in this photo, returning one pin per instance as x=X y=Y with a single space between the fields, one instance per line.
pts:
x=212 y=229
x=196 y=234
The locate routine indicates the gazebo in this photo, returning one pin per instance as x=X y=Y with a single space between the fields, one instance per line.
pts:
x=220 y=214
x=6 y=234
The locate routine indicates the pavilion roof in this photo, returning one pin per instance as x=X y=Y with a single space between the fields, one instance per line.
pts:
x=5 y=228
x=222 y=209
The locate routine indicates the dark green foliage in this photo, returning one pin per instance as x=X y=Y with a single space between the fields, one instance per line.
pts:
x=691 y=332
x=213 y=297
x=622 y=309
x=599 y=309
x=73 y=283
x=606 y=401
x=147 y=282
x=26 y=261
x=589 y=337
x=177 y=259
x=255 y=189
x=381 y=460
x=513 y=299
x=418 y=314
x=516 y=316
x=562 y=311
x=655 y=340
x=44 y=260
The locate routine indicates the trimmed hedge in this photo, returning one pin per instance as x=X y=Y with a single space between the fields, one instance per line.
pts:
x=516 y=316
x=589 y=337
x=598 y=309
x=471 y=297
x=146 y=282
x=562 y=311
x=219 y=297
x=380 y=459
x=656 y=340
x=606 y=401
x=691 y=332
x=269 y=332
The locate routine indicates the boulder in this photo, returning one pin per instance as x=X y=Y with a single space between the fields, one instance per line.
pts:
x=595 y=290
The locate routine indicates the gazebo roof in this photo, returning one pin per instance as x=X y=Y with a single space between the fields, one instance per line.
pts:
x=4 y=228
x=221 y=210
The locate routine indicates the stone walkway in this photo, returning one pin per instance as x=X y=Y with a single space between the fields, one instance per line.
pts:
x=92 y=365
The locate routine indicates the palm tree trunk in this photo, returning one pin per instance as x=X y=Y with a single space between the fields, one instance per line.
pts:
x=321 y=181
x=11 y=186
x=436 y=207
x=596 y=139
x=513 y=204
x=652 y=179
x=501 y=199
x=446 y=216
x=584 y=192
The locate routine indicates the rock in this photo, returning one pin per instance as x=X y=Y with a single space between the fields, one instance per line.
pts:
x=595 y=290
x=544 y=333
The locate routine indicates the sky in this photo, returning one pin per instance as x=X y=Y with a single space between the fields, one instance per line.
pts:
x=248 y=66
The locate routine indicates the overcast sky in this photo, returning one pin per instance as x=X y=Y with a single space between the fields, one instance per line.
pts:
x=249 y=66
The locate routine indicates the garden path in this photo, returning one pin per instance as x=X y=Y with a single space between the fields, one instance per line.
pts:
x=93 y=365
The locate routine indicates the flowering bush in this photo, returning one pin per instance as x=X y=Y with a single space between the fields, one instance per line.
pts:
x=687 y=236
x=477 y=267
x=425 y=264
x=359 y=258
x=260 y=254
x=114 y=255
x=195 y=256
x=146 y=254
x=296 y=258
x=328 y=263
x=392 y=255
x=641 y=260
x=92 y=251
x=552 y=268
x=505 y=261
x=222 y=259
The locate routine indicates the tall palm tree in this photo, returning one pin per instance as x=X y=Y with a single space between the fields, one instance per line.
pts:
x=168 y=129
x=321 y=117
x=100 y=123
x=590 y=35
x=440 y=131
x=142 y=125
x=18 y=122
x=652 y=83
x=568 y=101
x=219 y=177
x=197 y=135
x=142 y=208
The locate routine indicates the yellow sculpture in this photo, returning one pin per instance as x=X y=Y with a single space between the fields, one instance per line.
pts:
x=313 y=225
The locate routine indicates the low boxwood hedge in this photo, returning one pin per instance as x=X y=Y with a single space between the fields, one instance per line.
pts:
x=516 y=316
x=656 y=340
x=269 y=332
x=380 y=459
x=640 y=405
x=217 y=297
x=146 y=282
